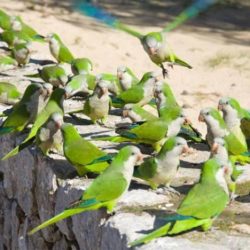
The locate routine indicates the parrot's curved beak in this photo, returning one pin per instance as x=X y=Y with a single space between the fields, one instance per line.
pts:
x=201 y=118
x=214 y=148
x=59 y=124
x=220 y=107
x=185 y=149
x=152 y=51
x=226 y=169
x=119 y=75
x=140 y=158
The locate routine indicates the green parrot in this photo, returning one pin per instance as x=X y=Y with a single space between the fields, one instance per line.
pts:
x=141 y=93
x=5 y=20
x=9 y=93
x=54 y=104
x=153 y=132
x=219 y=151
x=77 y=84
x=7 y=61
x=162 y=169
x=165 y=101
x=54 y=74
x=21 y=52
x=81 y=66
x=106 y=189
x=82 y=154
x=136 y=113
x=203 y=203
x=58 y=50
x=49 y=136
x=216 y=127
x=25 y=111
x=126 y=77
x=235 y=117
x=97 y=106
x=112 y=81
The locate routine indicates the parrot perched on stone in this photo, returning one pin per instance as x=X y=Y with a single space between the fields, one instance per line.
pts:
x=141 y=93
x=58 y=50
x=203 y=203
x=77 y=85
x=153 y=132
x=49 y=136
x=54 y=104
x=9 y=93
x=136 y=113
x=126 y=77
x=53 y=74
x=97 y=106
x=216 y=127
x=235 y=117
x=26 y=110
x=106 y=189
x=82 y=154
x=81 y=66
x=162 y=169
x=21 y=53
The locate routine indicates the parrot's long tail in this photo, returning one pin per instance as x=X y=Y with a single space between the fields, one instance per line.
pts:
x=191 y=133
x=182 y=63
x=36 y=75
x=76 y=208
x=115 y=138
x=6 y=130
x=129 y=30
x=39 y=38
x=172 y=228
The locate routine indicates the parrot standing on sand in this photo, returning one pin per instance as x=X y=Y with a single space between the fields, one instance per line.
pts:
x=49 y=136
x=58 y=50
x=141 y=93
x=54 y=104
x=9 y=93
x=162 y=169
x=97 y=106
x=203 y=203
x=82 y=154
x=81 y=66
x=21 y=53
x=106 y=189
x=126 y=77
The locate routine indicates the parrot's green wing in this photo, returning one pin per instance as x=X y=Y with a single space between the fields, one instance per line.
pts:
x=146 y=170
x=6 y=60
x=55 y=104
x=132 y=95
x=91 y=80
x=10 y=91
x=65 y=55
x=144 y=114
x=245 y=127
x=4 y=20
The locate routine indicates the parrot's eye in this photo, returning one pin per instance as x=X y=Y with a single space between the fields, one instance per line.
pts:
x=133 y=153
x=226 y=102
x=182 y=116
x=207 y=113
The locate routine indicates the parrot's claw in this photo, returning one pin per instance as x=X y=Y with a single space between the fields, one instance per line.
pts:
x=165 y=190
x=164 y=71
x=171 y=65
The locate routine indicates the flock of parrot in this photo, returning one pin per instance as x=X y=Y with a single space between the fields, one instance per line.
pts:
x=40 y=110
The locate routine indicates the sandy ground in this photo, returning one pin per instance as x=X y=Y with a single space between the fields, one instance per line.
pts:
x=220 y=60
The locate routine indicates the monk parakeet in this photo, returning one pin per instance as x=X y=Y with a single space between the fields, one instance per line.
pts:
x=153 y=132
x=162 y=169
x=142 y=93
x=9 y=93
x=49 y=136
x=21 y=52
x=106 y=189
x=235 y=116
x=136 y=113
x=97 y=106
x=126 y=77
x=82 y=154
x=7 y=61
x=54 y=104
x=25 y=111
x=54 y=74
x=58 y=50
x=216 y=127
x=81 y=66
x=203 y=203
x=166 y=102
x=112 y=82
x=77 y=85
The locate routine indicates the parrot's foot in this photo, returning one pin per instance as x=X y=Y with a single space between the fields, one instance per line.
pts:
x=164 y=71
x=165 y=190
x=241 y=159
x=171 y=65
